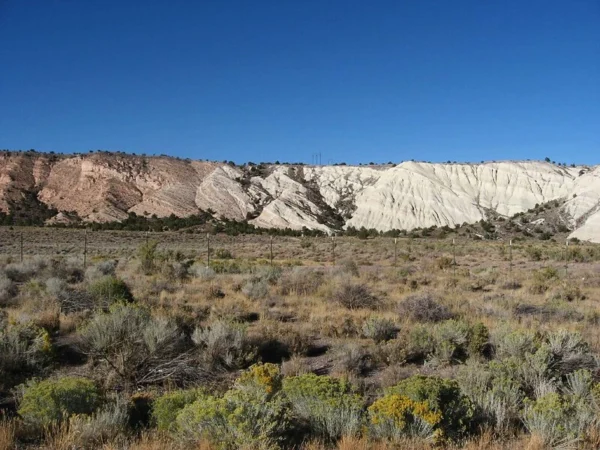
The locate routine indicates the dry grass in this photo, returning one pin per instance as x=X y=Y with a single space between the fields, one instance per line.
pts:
x=301 y=314
x=7 y=434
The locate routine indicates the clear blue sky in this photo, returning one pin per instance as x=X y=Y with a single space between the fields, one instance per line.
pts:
x=262 y=80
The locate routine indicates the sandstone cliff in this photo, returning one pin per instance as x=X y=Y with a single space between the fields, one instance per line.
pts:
x=107 y=186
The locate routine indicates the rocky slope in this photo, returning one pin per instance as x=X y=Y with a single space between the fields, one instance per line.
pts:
x=107 y=186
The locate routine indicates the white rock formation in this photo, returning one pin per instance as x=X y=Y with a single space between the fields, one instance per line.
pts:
x=106 y=187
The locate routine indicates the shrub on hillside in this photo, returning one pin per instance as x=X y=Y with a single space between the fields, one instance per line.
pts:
x=147 y=256
x=137 y=348
x=355 y=296
x=443 y=396
x=380 y=330
x=223 y=346
x=102 y=269
x=255 y=289
x=166 y=408
x=49 y=402
x=326 y=405
x=424 y=308
x=25 y=351
x=253 y=414
x=108 y=424
x=394 y=417
x=108 y=290
x=7 y=289
x=300 y=281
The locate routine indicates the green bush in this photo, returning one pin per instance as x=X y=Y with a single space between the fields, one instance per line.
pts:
x=443 y=396
x=479 y=337
x=49 y=402
x=253 y=414
x=166 y=408
x=108 y=290
x=147 y=256
x=327 y=405
x=559 y=419
x=380 y=330
x=25 y=350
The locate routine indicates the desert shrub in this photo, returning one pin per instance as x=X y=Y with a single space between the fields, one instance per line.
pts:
x=253 y=414
x=295 y=366
x=137 y=348
x=166 y=408
x=534 y=253
x=451 y=339
x=255 y=289
x=327 y=406
x=421 y=343
x=176 y=271
x=51 y=401
x=479 y=340
x=224 y=346
x=380 y=330
x=424 y=308
x=55 y=286
x=300 y=281
x=7 y=289
x=25 y=350
x=353 y=359
x=68 y=269
x=108 y=290
x=568 y=353
x=355 y=296
x=202 y=272
x=268 y=274
x=514 y=343
x=70 y=299
x=498 y=398
x=349 y=266
x=21 y=272
x=560 y=420
x=443 y=396
x=223 y=253
x=395 y=417
x=444 y=262
x=107 y=424
x=147 y=256
x=542 y=280
x=567 y=292
x=102 y=269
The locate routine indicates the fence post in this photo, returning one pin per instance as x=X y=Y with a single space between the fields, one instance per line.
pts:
x=21 y=246
x=271 y=249
x=85 y=249
x=510 y=263
x=395 y=251
x=454 y=257
x=566 y=259
x=333 y=249
x=207 y=250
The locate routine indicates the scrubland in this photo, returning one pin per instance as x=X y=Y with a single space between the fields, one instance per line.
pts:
x=345 y=344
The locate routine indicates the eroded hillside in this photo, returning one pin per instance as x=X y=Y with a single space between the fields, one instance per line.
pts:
x=103 y=187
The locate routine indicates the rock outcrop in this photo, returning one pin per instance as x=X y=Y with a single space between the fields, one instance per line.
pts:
x=108 y=186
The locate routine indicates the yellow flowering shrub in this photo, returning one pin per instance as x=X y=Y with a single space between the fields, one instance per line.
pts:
x=395 y=416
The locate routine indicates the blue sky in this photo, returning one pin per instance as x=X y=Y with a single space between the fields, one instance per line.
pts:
x=266 y=80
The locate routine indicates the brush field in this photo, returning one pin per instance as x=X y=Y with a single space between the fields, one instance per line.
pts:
x=148 y=341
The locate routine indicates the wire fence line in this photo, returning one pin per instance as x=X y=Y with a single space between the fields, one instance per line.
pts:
x=22 y=243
